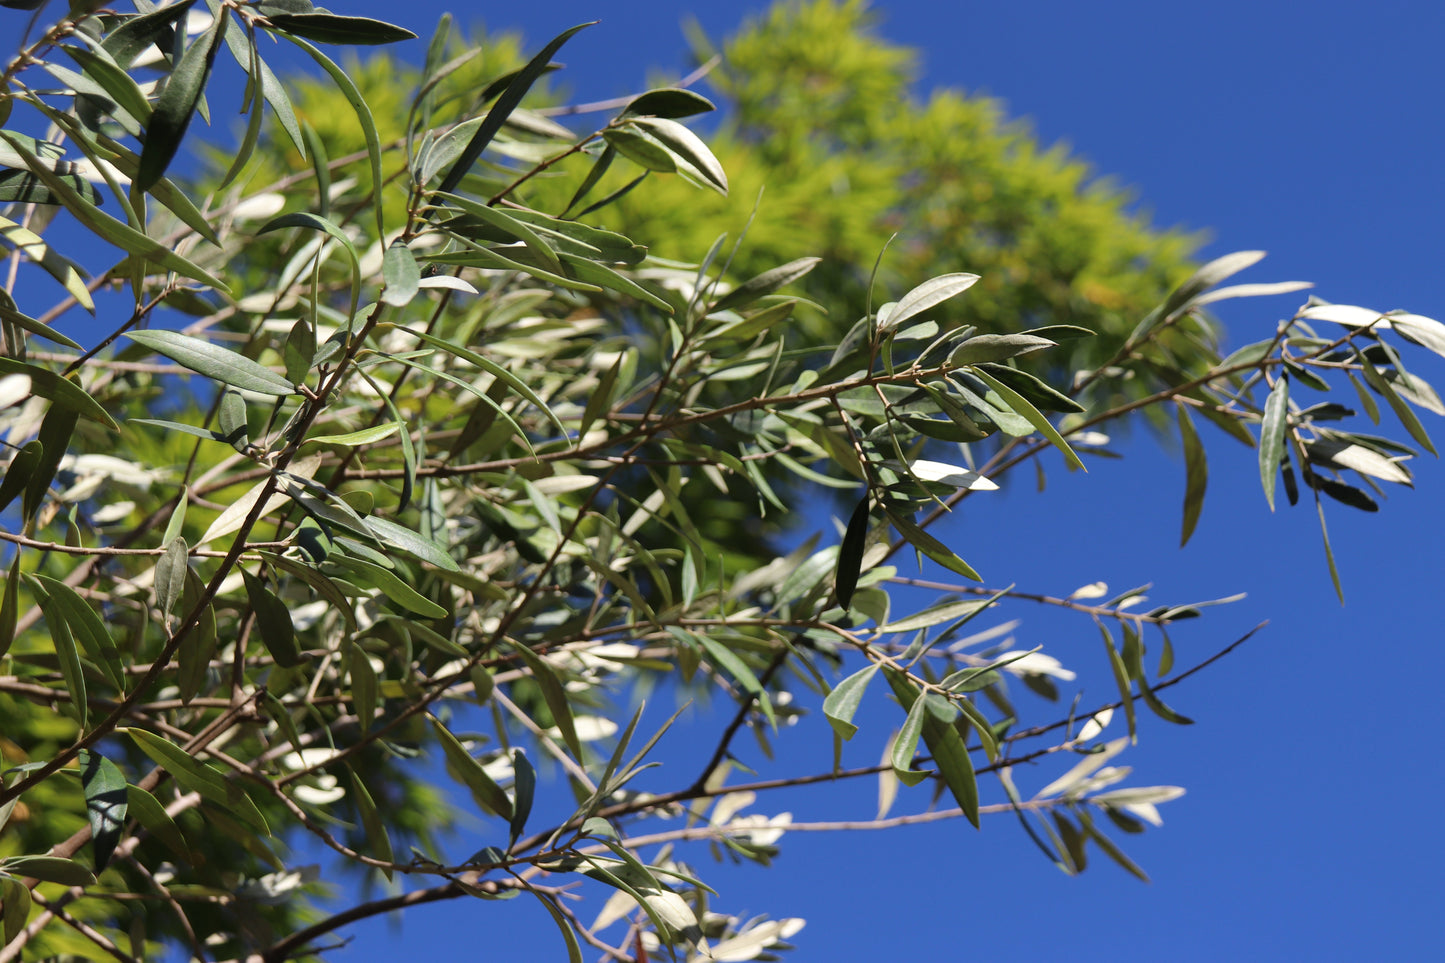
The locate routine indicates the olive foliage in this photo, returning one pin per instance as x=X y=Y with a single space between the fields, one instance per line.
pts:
x=417 y=446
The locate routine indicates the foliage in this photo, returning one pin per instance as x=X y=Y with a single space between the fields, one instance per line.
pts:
x=408 y=460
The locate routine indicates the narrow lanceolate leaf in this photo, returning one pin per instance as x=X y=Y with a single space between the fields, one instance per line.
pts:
x=330 y=28
x=50 y=869
x=1022 y=407
x=61 y=391
x=730 y=662
x=315 y=222
x=997 y=347
x=764 y=284
x=69 y=658
x=170 y=576
x=148 y=811
x=1196 y=474
x=22 y=187
x=931 y=546
x=842 y=703
x=1272 y=437
x=372 y=822
x=467 y=769
x=363 y=116
x=414 y=544
x=524 y=788
x=927 y=295
x=177 y=104
x=87 y=627
x=505 y=104
x=231 y=416
x=10 y=606
x=363 y=686
x=198 y=777
x=16 y=896
x=1121 y=679
x=54 y=437
x=669 y=102
x=905 y=744
x=18 y=473
x=688 y=148
x=399 y=270
x=1403 y=411
x=392 y=587
x=273 y=622
x=67 y=272
x=214 y=362
x=555 y=696
x=511 y=225
x=116 y=232
x=850 y=554
x=1329 y=551
x=487 y=365
x=105 y=803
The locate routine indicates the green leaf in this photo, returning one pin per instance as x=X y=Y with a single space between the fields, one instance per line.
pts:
x=315 y=222
x=170 y=575
x=905 y=745
x=148 y=811
x=214 y=362
x=69 y=274
x=1402 y=410
x=198 y=777
x=330 y=28
x=231 y=416
x=605 y=277
x=640 y=147
x=554 y=695
x=938 y=614
x=471 y=773
x=18 y=473
x=487 y=365
x=54 y=438
x=392 y=587
x=1121 y=679
x=364 y=118
x=729 y=661
x=10 y=606
x=1196 y=474
x=14 y=892
x=850 y=554
x=574 y=949
x=931 y=546
x=764 y=284
x=507 y=102
x=524 y=788
x=668 y=102
x=193 y=659
x=105 y=803
x=371 y=821
x=687 y=147
x=108 y=228
x=23 y=187
x=996 y=347
x=842 y=703
x=399 y=271
x=1039 y=393
x=415 y=545
x=49 y=869
x=177 y=104
x=1021 y=406
x=1272 y=437
x=69 y=658
x=62 y=392
x=504 y=221
x=87 y=627
x=927 y=295
x=273 y=622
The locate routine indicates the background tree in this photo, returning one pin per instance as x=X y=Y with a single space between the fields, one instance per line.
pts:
x=468 y=511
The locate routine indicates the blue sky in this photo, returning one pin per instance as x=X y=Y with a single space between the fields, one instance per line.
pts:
x=1310 y=132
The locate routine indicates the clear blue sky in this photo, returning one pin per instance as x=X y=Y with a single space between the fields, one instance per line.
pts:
x=1309 y=131
x=1312 y=132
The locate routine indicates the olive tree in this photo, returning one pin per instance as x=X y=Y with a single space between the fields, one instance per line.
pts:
x=397 y=478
